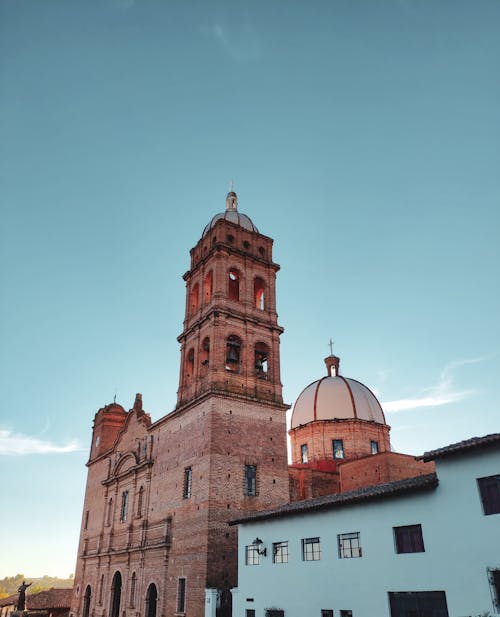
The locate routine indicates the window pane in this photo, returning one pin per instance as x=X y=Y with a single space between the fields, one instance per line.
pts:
x=280 y=552
x=409 y=539
x=311 y=550
x=338 y=448
x=252 y=557
x=250 y=480
x=349 y=545
x=489 y=489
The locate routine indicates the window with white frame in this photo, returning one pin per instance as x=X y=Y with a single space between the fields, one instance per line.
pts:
x=349 y=545
x=311 y=549
x=280 y=552
x=252 y=556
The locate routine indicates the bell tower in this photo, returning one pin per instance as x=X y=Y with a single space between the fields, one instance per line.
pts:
x=230 y=341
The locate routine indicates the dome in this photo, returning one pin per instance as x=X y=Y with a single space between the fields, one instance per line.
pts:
x=232 y=215
x=336 y=398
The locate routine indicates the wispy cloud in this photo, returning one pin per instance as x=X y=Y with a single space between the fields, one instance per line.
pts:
x=239 y=39
x=18 y=444
x=443 y=393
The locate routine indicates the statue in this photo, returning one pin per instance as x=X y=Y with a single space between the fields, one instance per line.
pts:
x=21 y=602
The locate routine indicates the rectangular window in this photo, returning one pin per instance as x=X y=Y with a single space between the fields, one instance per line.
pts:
x=303 y=453
x=374 y=447
x=181 y=596
x=409 y=539
x=338 y=448
x=280 y=552
x=188 y=476
x=252 y=557
x=494 y=578
x=251 y=480
x=489 y=489
x=250 y=612
x=409 y=603
x=123 y=511
x=349 y=545
x=274 y=612
x=311 y=549
x=345 y=613
x=326 y=612
x=86 y=523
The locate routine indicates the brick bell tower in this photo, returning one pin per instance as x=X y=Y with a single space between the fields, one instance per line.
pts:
x=230 y=341
x=230 y=393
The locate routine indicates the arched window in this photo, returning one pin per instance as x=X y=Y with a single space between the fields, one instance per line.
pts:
x=208 y=283
x=194 y=298
x=140 y=500
x=258 y=293
x=101 y=588
x=190 y=364
x=205 y=353
x=109 y=517
x=233 y=353
x=151 y=601
x=261 y=361
x=133 y=581
x=234 y=284
x=116 y=595
x=86 y=601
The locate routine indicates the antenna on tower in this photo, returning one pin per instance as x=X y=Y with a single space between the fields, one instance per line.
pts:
x=231 y=186
x=331 y=347
x=114 y=397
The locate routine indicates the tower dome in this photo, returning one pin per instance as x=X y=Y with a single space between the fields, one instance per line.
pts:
x=334 y=397
x=336 y=418
x=232 y=215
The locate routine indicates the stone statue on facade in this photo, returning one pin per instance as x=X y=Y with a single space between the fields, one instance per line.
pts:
x=21 y=602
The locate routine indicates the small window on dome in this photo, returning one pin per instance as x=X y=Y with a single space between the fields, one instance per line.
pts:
x=338 y=449
x=304 y=458
x=374 y=447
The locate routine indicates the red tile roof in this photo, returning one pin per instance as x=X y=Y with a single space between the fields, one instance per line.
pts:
x=474 y=443
x=48 y=599
x=328 y=502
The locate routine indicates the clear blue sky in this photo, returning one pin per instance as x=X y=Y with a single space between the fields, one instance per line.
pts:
x=362 y=136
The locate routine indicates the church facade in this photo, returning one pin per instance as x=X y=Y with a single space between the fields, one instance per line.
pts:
x=154 y=537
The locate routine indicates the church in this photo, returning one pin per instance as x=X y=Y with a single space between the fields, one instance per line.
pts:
x=156 y=536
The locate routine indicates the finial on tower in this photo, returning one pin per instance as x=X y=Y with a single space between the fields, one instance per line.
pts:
x=332 y=362
x=232 y=198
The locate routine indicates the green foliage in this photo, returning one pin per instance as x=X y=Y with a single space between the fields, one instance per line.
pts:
x=10 y=584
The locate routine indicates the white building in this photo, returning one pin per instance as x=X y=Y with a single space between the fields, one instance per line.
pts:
x=424 y=547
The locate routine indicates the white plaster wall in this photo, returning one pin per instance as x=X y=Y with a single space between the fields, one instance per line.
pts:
x=460 y=543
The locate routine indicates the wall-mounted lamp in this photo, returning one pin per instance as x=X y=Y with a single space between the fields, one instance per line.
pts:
x=258 y=543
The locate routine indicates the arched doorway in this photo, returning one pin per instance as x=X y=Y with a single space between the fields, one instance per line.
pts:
x=116 y=594
x=151 y=601
x=86 y=601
